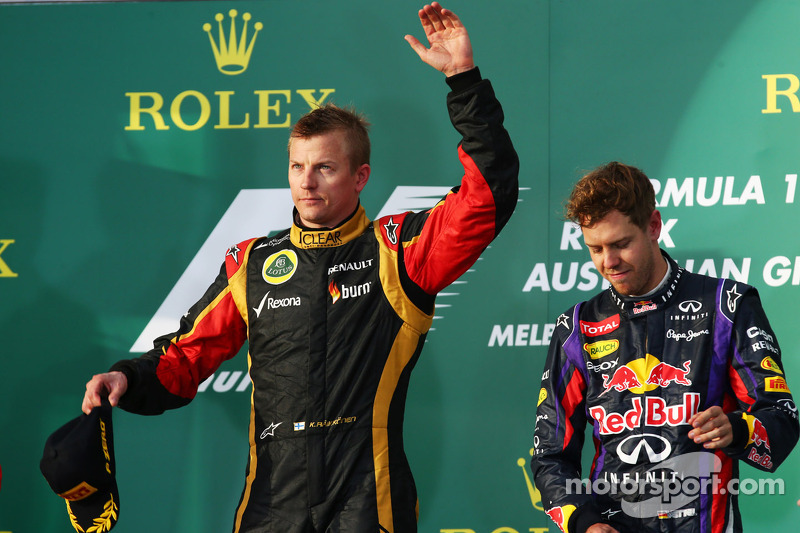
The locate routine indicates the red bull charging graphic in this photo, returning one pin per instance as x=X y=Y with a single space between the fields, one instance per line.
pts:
x=645 y=374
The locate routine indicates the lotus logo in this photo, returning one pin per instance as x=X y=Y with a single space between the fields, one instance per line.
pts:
x=280 y=267
x=690 y=306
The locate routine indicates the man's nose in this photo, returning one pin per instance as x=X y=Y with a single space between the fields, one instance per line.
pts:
x=308 y=179
x=610 y=259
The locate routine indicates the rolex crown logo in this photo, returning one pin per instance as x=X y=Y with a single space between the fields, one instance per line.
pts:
x=233 y=55
x=533 y=492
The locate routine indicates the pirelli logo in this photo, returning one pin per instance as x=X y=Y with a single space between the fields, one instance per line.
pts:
x=776 y=385
x=79 y=492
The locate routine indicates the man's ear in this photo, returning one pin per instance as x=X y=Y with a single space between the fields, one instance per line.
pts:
x=362 y=176
x=654 y=225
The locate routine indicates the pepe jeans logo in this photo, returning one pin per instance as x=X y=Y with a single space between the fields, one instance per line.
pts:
x=232 y=56
x=280 y=267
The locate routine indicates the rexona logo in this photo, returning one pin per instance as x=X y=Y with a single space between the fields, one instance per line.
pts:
x=192 y=110
x=280 y=267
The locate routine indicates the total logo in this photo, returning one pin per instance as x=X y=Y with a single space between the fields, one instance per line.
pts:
x=645 y=374
x=348 y=291
x=593 y=329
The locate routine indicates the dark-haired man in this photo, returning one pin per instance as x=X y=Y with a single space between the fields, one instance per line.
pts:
x=680 y=375
x=330 y=365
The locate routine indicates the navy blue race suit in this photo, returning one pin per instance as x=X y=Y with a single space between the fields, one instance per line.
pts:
x=638 y=369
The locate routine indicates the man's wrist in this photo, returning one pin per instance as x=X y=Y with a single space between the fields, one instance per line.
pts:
x=739 y=432
x=464 y=80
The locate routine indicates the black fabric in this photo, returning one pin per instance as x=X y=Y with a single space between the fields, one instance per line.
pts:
x=78 y=464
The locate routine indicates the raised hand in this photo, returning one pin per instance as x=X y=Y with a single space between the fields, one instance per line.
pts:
x=450 y=48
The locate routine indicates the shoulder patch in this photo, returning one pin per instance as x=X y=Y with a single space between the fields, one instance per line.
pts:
x=236 y=256
x=729 y=297
x=390 y=229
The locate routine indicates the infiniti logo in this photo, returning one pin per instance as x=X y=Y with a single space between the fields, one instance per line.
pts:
x=690 y=306
x=644 y=443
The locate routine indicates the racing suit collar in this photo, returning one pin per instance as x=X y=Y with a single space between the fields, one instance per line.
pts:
x=330 y=237
x=634 y=306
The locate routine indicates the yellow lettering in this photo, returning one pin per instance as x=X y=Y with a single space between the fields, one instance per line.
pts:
x=773 y=92
x=225 y=113
x=264 y=109
x=175 y=110
x=5 y=271
x=308 y=96
x=136 y=111
x=538 y=530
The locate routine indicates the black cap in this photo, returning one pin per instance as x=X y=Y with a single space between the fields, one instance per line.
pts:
x=78 y=463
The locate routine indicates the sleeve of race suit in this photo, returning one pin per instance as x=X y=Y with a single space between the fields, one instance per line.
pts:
x=440 y=244
x=765 y=420
x=168 y=376
x=559 y=434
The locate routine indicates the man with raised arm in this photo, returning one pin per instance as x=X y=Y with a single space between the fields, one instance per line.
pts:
x=336 y=309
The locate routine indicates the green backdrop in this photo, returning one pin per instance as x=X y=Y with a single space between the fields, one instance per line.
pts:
x=123 y=147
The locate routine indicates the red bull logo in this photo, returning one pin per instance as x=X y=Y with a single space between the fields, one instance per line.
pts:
x=664 y=373
x=758 y=433
x=645 y=374
x=623 y=379
x=641 y=307
x=560 y=515
x=763 y=460
x=650 y=411
x=593 y=329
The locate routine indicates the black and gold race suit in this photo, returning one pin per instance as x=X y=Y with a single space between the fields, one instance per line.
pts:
x=336 y=320
x=638 y=369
